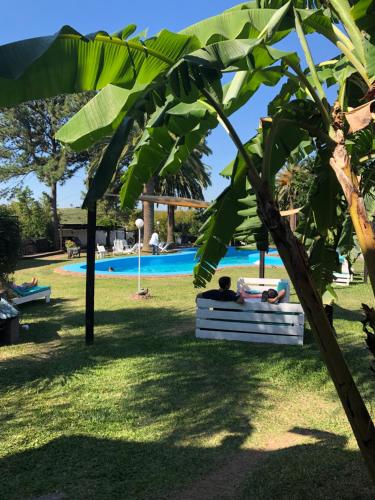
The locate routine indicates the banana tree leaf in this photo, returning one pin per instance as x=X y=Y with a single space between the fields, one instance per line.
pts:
x=154 y=147
x=363 y=13
x=316 y=21
x=170 y=137
x=347 y=242
x=108 y=164
x=360 y=144
x=94 y=121
x=218 y=230
x=343 y=12
x=252 y=231
x=70 y=62
x=324 y=261
x=232 y=24
x=234 y=55
x=245 y=84
x=100 y=117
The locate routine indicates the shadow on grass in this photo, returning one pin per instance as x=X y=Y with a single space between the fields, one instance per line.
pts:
x=34 y=263
x=86 y=467
x=347 y=314
x=213 y=386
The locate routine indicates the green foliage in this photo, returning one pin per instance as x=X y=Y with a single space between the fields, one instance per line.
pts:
x=294 y=184
x=70 y=244
x=10 y=242
x=35 y=218
x=28 y=146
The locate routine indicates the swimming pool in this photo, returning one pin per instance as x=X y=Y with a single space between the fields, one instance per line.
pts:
x=175 y=263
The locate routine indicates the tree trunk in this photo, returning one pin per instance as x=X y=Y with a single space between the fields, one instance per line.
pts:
x=295 y=260
x=108 y=238
x=55 y=217
x=341 y=164
x=170 y=228
x=296 y=263
x=148 y=215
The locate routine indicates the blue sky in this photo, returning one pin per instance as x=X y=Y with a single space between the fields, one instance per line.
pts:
x=25 y=19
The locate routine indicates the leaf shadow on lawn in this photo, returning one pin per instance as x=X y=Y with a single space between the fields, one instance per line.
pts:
x=86 y=467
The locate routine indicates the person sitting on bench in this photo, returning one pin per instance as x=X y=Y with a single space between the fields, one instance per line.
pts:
x=25 y=286
x=224 y=293
x=271 y=295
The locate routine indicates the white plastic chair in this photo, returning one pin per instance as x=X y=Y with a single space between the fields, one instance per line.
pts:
x=101 y=251
x=120 y=246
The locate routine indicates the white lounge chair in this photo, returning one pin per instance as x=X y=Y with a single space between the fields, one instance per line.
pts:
x=101 y=251
x=133 y=249
x=164 y=247
x=120 y=246
x=34 y=293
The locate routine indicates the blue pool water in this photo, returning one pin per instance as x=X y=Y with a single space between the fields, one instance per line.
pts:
x=175 y=263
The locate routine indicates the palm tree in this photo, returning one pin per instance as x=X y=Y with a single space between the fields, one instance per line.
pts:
x=293 y=184
x=188 y=182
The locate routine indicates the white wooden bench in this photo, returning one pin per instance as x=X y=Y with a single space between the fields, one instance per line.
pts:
x=342 y=279
x=253 y=321
x=250 y=322
x=345 y=277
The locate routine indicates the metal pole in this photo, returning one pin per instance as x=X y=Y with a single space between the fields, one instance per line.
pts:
x=139 y=260
x=262 y=262
x=90 y=274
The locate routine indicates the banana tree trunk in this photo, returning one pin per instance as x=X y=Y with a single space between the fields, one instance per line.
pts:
x=148 y=215
x=296 y=263
x=341 y=164
x=295 y=260
x=170 y=227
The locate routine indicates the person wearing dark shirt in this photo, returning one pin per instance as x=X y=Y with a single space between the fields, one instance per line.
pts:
x=224 y=293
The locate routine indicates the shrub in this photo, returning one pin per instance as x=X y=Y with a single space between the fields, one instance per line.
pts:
x=10 y=243
x=70 y=244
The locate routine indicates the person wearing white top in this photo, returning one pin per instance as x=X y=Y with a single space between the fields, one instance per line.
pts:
x=154 y=242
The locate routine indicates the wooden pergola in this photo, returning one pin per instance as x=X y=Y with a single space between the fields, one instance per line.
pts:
x=91 y=249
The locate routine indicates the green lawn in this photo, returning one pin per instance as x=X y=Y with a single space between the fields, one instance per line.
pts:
x=148 y=411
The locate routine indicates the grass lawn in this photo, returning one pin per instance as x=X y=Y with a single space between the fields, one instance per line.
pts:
x=148 y=411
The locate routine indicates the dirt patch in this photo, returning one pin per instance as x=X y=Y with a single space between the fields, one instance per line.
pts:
x=225 y=482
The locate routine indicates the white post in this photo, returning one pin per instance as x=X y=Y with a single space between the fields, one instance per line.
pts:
x=139 y=224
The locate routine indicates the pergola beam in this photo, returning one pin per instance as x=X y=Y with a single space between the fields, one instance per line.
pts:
x=176 y=202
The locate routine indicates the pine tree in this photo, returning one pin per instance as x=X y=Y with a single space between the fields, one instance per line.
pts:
x=28 y=146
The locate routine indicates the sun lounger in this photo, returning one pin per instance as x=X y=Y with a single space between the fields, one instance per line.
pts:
x=34 y=293
x=164 y=247
x=120 y=246
x=133 y=249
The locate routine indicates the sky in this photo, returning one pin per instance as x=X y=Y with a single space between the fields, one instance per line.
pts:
x=25 y=19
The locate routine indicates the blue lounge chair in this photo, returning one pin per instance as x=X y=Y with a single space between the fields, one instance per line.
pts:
x=34 y=293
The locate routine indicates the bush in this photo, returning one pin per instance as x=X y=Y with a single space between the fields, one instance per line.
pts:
x=70 y=244
x=10 y=243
